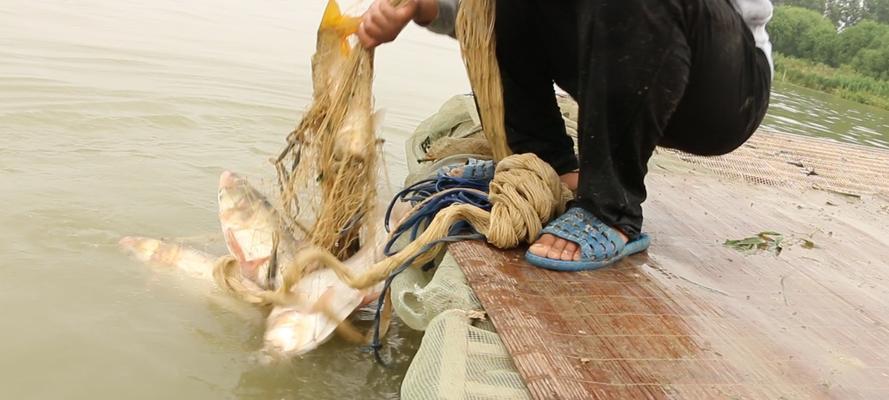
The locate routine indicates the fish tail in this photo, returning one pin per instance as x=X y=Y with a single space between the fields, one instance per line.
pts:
x=344 y=25
x=334 y=19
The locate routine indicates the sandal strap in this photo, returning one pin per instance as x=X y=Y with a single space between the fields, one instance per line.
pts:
x=473 y=169
x=596 y=240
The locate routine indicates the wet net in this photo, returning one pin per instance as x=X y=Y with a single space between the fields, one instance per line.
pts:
x=460 y=359
x=464 y=358
x=461 y=356
x=420 y=296
x=328 y=170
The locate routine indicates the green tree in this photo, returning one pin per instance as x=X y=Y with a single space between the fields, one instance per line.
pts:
x=856 y=38
x=874 y=60
x=878 y=10
x=845 y=13
x=803 y=33
x=816 y=5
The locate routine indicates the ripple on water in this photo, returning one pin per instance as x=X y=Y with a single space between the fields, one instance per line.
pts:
x=117 y=116
x=807 y=112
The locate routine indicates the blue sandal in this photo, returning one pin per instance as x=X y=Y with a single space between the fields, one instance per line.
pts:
x=473 y=169
x=600 y=245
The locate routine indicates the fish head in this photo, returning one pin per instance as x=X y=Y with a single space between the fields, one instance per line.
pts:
x=143 y=249
x=239 y=202
x=292 y=332
x=302 y=327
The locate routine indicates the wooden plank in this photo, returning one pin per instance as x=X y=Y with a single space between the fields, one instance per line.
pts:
x=694 y=319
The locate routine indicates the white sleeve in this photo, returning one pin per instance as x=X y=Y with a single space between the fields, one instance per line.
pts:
x=756 y=14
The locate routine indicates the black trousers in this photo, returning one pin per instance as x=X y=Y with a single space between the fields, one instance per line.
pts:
x=683 y=74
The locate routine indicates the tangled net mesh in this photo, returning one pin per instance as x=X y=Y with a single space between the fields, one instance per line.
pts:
x=327 y=172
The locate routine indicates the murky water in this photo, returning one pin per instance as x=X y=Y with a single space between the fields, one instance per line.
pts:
x=116 y=118
x=795 y=109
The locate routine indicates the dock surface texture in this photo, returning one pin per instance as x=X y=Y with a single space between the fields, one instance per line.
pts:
x=695 y=319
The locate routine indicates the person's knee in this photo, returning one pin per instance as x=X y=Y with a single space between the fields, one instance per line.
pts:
x=720 y=148
x=708 y=139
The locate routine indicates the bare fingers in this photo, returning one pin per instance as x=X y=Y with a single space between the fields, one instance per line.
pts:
x=382 y=22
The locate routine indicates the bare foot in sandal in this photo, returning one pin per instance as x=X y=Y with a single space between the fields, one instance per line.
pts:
x=570 y=180
x=550 y=246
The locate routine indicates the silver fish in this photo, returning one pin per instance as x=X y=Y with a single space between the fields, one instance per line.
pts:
x=192 y=263
x=249 y=223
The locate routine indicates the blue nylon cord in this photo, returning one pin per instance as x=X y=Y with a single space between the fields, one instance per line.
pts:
x=376 y=345
x=456 y=191
x=421 y=190
x=425 y=214
x=436 y=194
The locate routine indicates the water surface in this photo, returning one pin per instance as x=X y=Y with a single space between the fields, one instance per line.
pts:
x=795 y=109
x=116 y=118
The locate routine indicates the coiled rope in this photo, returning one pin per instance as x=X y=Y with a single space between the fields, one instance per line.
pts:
x=524 y=194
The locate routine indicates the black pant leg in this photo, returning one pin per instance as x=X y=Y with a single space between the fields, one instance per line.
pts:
x=634 y=64
x=728 y=90
x=526 y=51
x=637 y=59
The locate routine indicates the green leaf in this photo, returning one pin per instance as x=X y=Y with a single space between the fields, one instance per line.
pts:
x=763 y=241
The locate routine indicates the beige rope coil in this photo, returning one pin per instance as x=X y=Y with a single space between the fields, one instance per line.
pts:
x=525 y=193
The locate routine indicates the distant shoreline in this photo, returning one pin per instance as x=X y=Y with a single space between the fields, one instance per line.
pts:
x=841 y=82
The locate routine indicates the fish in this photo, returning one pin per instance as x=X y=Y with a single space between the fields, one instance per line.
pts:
x=194 y=263
x=190 y=262
x=249 y=224
x=332 y=66
x=295 y=331
x=259 y=240
x=333 y=46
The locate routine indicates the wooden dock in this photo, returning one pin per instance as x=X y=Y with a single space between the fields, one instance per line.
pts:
x=694 y=319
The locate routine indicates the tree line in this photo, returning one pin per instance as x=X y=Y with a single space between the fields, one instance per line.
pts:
x=839 y=33
x=844 y=13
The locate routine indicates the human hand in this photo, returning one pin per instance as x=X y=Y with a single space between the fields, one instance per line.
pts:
x=383 y=22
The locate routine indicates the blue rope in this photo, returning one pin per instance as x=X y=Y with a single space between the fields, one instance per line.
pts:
x=422 y=190
x=376 y=345
x=427 y=212
x=434 y=194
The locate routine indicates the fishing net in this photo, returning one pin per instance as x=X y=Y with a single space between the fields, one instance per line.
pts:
x=327 y=175
x=455 y=131
x=419 y=296
x=328 y=170
x=475 y=31
x=462 y=358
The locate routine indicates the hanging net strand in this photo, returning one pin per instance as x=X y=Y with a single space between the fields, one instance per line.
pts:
x=475 y=31
x=525 y=193
x=327 y=172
